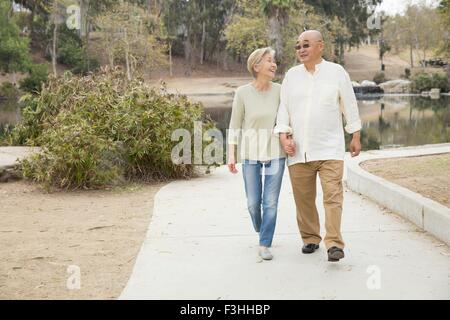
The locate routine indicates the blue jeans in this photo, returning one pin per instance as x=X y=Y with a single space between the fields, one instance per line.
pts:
x=263 y=196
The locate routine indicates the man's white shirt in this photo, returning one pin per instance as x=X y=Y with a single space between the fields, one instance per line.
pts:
x=311 y=108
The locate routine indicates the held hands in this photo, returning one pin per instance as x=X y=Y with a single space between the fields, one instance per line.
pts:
x=355 y=144
x=288 y=145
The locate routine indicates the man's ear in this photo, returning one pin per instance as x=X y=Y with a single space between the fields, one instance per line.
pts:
x=321 y=46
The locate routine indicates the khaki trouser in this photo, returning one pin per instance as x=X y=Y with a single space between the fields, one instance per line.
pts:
x=303 y=180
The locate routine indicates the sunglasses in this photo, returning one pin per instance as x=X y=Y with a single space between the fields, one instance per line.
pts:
x=305 y=46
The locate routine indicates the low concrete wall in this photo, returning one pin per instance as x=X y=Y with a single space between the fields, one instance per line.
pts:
x=424 y=212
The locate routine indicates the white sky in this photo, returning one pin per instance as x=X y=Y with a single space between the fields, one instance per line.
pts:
x=392 y=7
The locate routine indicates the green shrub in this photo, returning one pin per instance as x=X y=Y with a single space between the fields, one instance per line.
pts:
x=440 y=81
x=38 y=74
x=71 y=53
x=380 y=77
x=407 y=74
x=9 y=91
x=100 y=130
x=425 y=82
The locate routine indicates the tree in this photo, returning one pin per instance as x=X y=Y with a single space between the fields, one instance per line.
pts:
x=132 y=35
x=351 y=14
x=444 y=20
x=419 y=29
x=384 y=47
x=197 y=27
x=14 y=51
x=277 y=12
x=244 y=35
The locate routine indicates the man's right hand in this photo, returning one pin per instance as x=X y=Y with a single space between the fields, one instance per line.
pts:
x=232 y=165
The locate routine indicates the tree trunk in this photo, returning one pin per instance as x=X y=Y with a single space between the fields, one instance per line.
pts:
x=202 y=45
x=149 y=6
x=188 y=53
x=277 y=21
x=275 y=36
x=88 y=30
x=30 y=22
x=111 y=59
x=225 y=65
x=170 y=59
x=127 y=56
x=55 y=34
x=411 y=55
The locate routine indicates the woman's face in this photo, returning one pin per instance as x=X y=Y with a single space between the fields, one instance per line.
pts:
x=267 y=67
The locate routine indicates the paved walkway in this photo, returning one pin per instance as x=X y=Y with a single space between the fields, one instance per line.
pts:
x=9 y=155
x=200 y=245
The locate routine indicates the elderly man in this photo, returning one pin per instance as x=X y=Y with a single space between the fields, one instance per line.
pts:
x=313 y=97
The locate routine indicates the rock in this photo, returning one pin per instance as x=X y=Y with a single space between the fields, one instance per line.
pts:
x=367 y=83
x=435 y=93
x=362 y=90
x=396 y=86
x=8 y=175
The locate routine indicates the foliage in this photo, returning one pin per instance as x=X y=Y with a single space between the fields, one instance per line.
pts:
x=444 y=19
x=425 y=82
x=244 y=35
x=132 y=37
x=38 y=74
x=379 y=77
x=9 y=91
x=72 y=53
x=14 y=56
x=100 y=129
x=419 y=29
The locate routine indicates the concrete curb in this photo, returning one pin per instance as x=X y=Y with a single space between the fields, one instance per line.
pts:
x=424 y=212
x=8 y=159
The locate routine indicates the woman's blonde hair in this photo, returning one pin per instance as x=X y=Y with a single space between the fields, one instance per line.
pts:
x=256 y=57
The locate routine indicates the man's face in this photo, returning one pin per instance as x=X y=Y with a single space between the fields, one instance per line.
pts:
x=308 y=48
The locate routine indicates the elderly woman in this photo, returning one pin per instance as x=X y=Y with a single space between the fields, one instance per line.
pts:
x=253 y=118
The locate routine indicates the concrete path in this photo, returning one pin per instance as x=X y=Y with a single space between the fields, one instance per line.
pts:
x=9 y=155
x=200 y=245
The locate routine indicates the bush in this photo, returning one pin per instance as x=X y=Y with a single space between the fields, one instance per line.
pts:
x=100 y=130
x=9 y=91
x=71 y=53
x=380 y=77
x=38 y=74
x=425 y=82
x=407 y=73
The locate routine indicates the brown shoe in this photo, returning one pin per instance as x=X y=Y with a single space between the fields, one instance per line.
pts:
x=335 y=254
x=310 y=248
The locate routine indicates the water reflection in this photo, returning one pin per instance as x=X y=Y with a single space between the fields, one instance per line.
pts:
x=388 y=121
x=9 y=114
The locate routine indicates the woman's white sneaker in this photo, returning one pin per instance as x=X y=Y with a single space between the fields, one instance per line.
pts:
x=265 y=254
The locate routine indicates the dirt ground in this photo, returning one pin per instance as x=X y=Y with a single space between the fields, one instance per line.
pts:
x=427 y=175
x=43 y=236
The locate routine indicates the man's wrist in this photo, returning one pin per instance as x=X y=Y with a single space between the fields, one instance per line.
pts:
x=356 y=135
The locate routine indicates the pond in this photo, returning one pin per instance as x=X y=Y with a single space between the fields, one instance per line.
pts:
x=388 y=120
x=9 y=114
